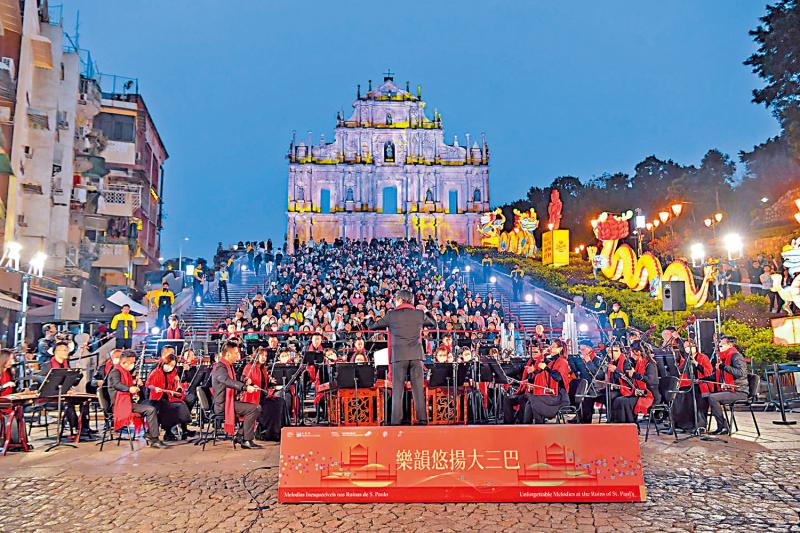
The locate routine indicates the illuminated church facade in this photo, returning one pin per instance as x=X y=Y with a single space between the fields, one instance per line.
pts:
x=387 y=173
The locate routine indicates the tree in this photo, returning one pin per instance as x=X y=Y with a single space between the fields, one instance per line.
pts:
x=777 y=60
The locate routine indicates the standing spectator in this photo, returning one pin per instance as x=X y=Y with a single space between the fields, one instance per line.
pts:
x=269 y=260
x=199 y=284
x=45 y=343
x=735 y=277
x=755 y=271
x=487 y=267
x=517 y=277
x=259 y=258
x=163 y=300
x=766 y=287
x=222 y=285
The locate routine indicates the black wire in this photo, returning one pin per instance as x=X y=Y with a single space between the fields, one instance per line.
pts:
x=259 y=507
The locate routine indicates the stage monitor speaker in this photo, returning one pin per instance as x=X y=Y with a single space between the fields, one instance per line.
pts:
x=68 y=304
x=673 y=296
x=704 y=331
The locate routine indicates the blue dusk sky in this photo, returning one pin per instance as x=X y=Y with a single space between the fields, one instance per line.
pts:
x=560 y=88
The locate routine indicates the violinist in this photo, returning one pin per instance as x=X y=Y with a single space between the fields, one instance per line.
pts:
x=645 y=378
x=695 y=370
x=273 y=409
x=621 y=392
x=550 y=380
x=168 y=397
x=731 y=373
x=122 y=388
x=225 y=386
x=514 y=404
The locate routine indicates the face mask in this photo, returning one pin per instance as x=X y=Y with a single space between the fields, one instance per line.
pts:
x=169 y=369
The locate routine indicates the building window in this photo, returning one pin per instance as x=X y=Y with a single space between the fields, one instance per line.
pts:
x=389 y=200
x=428 y=195
x=301 y=194
x=476 y=196
x=324 y=201
x=452 y=202
x=119 y=128
x=348 y=195
x=388 y=119
x=388 y=152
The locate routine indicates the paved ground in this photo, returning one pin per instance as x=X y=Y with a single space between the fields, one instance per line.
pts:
x=740 y=485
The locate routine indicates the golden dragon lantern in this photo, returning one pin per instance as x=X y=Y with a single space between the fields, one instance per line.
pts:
x=620 y=263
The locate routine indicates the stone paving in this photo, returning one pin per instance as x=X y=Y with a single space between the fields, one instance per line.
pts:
x=745 y=484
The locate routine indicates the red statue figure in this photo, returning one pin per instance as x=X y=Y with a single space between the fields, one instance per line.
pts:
x=554 y=209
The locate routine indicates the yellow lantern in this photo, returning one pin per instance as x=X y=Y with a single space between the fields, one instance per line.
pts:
x=676 y=209
x=663 y=216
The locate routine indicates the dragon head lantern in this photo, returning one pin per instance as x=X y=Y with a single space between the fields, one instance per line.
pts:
x=491 y=224
x=608 y=227
x=526 y=220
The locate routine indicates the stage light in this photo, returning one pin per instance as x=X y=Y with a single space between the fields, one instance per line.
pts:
x=708 y=222
x=764 y=199
x=155 y=330
x=467 y=268
x=663 y=216
x=656 y=223
x=676 y=209
x=11 y=255
x=582 y=247
x=641 y=221
x=550 y=226
x=583 y=328
x=529 y=298
x=718 y=217
x=493 y=279
x=198 y=299
x=244 y=268
x=577 y=249
x=190 y=270
x=734 y=245
x=697 y=253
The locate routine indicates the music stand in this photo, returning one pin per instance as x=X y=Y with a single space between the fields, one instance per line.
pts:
x=57 y=382
x=447 y=375
x=282 y=373
x=354 y=375
x=492 y=371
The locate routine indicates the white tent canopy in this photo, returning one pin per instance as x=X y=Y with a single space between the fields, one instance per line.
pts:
x=120 y=298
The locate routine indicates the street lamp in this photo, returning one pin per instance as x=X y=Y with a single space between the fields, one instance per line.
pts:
x=10 y=262
x=656 y=223
x=663 y=216
x=733 y=245
x=180 y=255
x=697 y=253
x=676 y=209
x=718 y=217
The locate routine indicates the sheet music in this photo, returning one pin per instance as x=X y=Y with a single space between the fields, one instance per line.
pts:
x=381 y=357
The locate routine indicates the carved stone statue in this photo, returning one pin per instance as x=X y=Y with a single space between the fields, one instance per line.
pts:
x=554 y=209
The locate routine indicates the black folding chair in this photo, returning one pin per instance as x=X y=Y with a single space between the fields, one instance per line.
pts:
x=667 y=399
x=753 y=382
x=211 y=423
x=108 y=421
x=580 y=392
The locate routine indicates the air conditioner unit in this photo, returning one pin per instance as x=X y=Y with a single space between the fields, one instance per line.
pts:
x=83 y=99
x=9 y=62
x=28 y=152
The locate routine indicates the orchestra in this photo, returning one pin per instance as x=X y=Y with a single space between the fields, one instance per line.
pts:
x=258 y=396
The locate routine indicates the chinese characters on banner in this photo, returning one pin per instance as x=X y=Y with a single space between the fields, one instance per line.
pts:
x=554 y=463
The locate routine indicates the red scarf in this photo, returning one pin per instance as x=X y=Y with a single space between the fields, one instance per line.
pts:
x=254 y=371
x=123 y=404
x=727 y=377
x=704 y=370
x=160 y=379
x=543 y=380
x=644 y=402
x=622 y=379
x=230 y=397
x=174 y=333
x=55 y=364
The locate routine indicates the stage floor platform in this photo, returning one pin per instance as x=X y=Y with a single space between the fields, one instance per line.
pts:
x=745 y=484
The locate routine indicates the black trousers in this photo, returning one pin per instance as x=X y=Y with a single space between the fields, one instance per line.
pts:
x=541 y=407
x=271 y=419
x=511 y=415
x=622 y=409
x=171 y=414
x=399 y=371
x=716 y=399
x=223 y=286
x=124 y=344
x=150 y=415
x=250 y=413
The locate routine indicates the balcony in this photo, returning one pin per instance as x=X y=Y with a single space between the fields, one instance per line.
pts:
x=119 y=200
x=112 y=256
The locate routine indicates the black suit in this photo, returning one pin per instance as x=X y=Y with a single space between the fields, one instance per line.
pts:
x=68 y=409
x=405 y=327
x=220 y=382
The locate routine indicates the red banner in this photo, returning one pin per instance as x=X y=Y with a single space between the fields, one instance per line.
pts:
x=545 y=463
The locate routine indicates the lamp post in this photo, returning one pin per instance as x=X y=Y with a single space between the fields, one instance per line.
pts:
x=180 y=257
x=10 y=263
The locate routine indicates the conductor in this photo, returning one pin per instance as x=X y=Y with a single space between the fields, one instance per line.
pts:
x=405 y=325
